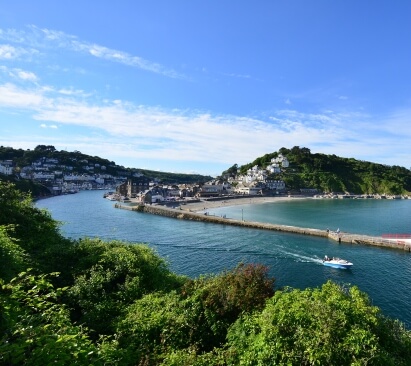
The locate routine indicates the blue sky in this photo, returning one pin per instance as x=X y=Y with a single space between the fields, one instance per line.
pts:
x=197 y=86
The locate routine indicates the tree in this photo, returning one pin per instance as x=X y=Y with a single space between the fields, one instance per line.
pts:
x=34 y=230
x=332 y=325
x=45 y=148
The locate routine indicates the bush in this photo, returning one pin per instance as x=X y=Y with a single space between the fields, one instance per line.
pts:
x=110 y=276
x=195 y=320
x=13 y=259
x=327 y=326
x=223 y=298
x=36 y=329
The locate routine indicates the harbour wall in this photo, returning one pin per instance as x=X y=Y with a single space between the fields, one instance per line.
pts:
x=341 y=237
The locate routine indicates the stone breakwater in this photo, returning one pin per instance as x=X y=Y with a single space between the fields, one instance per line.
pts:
x=341 y=237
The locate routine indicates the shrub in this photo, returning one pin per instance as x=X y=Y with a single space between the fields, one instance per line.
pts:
x=36 y=329
x=327 y=326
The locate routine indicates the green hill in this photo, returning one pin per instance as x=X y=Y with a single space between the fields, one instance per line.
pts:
x=331 y=173
x=78 y=160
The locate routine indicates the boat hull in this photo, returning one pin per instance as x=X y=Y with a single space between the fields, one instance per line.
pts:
x=338 y=265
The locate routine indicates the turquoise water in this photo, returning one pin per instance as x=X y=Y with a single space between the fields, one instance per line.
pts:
x=194 y=248
x=357 y=216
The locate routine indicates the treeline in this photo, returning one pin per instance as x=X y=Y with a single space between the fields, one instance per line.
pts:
x=330 y=173
x=76 y=159
x=90 y=302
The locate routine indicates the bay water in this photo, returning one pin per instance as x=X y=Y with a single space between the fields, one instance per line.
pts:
x=195 y=248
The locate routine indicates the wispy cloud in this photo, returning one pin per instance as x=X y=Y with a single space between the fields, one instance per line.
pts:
x=14 y=97
x=74 y=92
x=148 y=133
x=9 y=52
x=19 y=74
x=26 y=75
x=43 y=125
x=43 y=37
x=240 y=76
x=158 y=133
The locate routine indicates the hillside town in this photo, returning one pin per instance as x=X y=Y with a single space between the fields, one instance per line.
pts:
x=63 y=179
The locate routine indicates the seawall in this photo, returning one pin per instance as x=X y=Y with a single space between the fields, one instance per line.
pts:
x=341 y=237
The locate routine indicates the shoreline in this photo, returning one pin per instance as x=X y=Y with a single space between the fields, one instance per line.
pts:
x=187 y=213
x=206 y=204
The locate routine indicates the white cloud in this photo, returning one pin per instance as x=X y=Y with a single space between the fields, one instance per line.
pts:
x=12 y=96
x=43 y=37
x=240 y=76
x=151 y=133
x=19 y=74
x=9 y=52
x=26 y=75
x=124 y=58
x=162 y=133
x=74 y=92
x=43 y=125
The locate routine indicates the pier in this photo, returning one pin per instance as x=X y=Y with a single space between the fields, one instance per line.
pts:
x=340 y=237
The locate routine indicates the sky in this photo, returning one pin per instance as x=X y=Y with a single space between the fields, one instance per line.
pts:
x=194 y=86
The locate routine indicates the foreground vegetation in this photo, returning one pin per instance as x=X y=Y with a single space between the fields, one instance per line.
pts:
x=89 y=302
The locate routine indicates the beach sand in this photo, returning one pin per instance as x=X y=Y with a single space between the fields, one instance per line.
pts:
x=198 y=206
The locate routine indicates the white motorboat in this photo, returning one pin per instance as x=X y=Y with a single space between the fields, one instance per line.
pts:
x=336 y=262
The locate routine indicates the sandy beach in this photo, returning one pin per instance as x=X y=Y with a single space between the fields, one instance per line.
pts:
x=205 y=204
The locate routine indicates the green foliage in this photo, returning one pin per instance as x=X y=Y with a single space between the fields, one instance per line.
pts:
x=225 y=297
x=195 y=320
x=26 y=185
x=36 y=330
x=330 y=173
x=110 y=276
x=230 y=172
x=33 y=227
x=13 y=259
x=158 y=324
x=77 y=160
x=175 y=178
x=123 y=306
x=327 y=326
x=34 y=230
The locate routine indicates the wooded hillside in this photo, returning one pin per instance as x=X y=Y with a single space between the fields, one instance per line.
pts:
x=331 y=173
x=77 y=160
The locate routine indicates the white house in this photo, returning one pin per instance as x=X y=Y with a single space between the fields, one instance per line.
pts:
x=247 y=190
x=6 y=167
x=275 y=184
x=43 y=176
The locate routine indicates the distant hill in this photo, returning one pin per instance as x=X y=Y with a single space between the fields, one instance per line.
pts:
x=331 y=173
x=77 y=160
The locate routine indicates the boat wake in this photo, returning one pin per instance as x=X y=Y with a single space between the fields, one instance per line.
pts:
x=304 y=258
